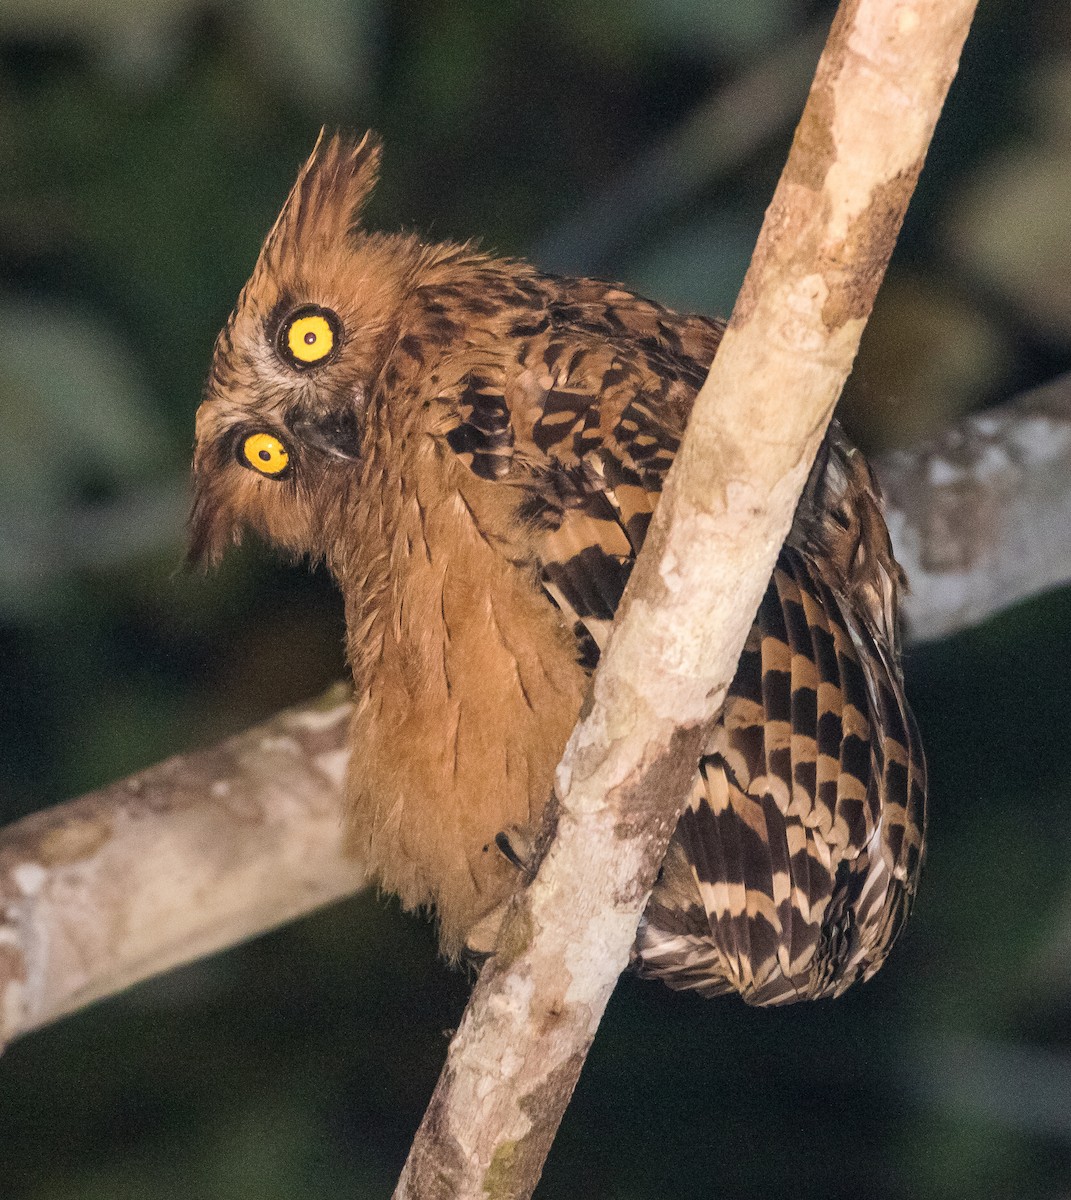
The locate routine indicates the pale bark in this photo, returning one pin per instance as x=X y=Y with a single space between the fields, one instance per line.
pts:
x=187 y=857
x=981 y=515
x=726 y=509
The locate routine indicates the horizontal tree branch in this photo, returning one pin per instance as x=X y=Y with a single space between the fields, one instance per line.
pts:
x=981 y=515
x=214 y=847
x=190 y=856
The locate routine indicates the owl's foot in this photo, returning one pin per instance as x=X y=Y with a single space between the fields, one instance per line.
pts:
x=482 y=937
x=517 y=845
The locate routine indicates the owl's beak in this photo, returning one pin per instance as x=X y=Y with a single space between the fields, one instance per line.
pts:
x=337 y=434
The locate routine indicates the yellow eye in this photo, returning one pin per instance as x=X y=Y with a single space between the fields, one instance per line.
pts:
x=309 y=336
x=265 y=453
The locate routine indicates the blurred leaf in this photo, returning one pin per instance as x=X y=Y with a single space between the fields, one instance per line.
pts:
x=76 y=424
x=927 y=356
x=136 y=38
x=267 y=1150
x=722 y=26
x=72 y=397
x=319 y=52
x=700 y=266
x=1010 y=224
x=1011 y=229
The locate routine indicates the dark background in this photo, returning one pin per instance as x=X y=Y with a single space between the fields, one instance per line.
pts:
x=144 y=150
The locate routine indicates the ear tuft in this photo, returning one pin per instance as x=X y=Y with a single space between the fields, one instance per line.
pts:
x=330 y=191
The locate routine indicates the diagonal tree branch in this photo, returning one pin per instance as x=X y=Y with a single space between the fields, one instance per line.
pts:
x=723 y=516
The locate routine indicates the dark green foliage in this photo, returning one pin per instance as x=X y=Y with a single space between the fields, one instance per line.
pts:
x=140 y=169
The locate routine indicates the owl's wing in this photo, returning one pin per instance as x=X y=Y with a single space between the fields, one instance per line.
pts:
x=794 y=862
x=803 y=832
x=598 y=438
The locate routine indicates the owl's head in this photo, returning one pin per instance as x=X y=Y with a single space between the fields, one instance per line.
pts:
x=280 y=425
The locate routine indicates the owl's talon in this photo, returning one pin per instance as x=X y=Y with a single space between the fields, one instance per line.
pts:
x=481 y=939
x=517 y=845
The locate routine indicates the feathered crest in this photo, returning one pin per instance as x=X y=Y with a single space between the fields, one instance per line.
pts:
x=331 y=189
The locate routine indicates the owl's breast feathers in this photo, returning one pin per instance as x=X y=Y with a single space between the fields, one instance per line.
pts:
x=487 y=573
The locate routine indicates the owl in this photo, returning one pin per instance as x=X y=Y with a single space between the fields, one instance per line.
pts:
x=475 y=449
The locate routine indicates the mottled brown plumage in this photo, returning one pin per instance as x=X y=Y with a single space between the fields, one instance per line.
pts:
x=475 y=450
